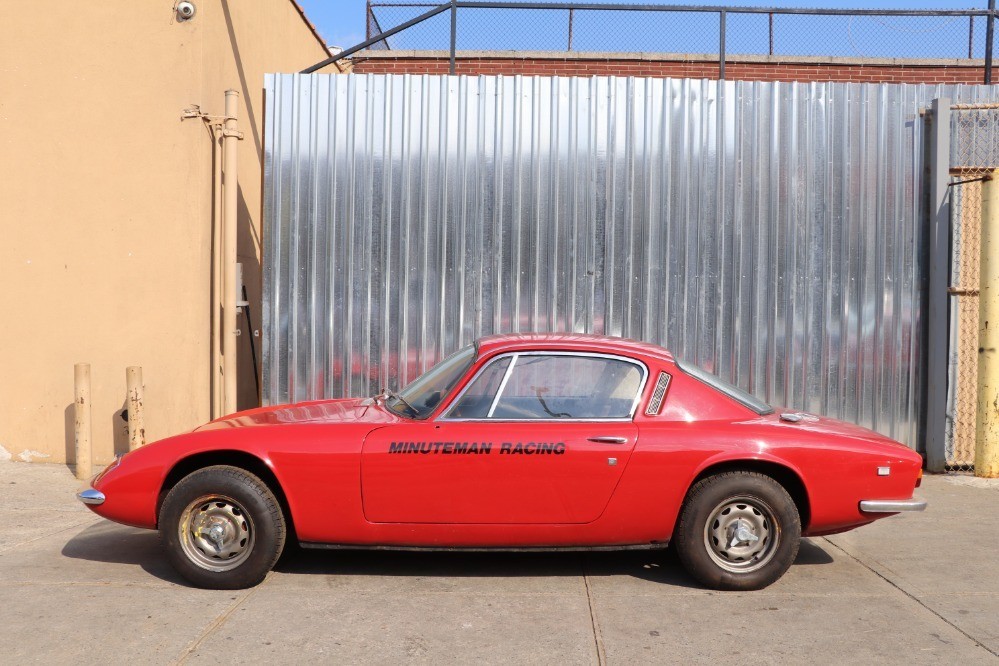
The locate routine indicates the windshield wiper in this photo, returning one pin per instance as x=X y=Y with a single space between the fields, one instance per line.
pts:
x=392 y=394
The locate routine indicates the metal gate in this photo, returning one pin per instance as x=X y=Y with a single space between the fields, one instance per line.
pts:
x=772 y=233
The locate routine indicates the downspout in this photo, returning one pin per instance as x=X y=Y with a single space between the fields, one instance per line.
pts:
x=225 y=281
x=216 y=294
x=230 y=135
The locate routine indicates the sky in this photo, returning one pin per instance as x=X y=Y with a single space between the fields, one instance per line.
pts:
x=342 y=23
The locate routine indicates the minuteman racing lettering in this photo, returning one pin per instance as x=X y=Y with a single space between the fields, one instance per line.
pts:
x=479 y=448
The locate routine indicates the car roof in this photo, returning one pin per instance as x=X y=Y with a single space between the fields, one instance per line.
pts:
x=571 y=342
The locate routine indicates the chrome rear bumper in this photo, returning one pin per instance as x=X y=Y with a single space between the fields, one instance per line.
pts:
x=892 y=506
x=90 y=496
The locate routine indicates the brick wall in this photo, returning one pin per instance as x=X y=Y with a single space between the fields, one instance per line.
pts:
x=746 y=68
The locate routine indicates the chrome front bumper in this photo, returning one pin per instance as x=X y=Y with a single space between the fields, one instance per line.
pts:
x=892 y=506
x=90 y=496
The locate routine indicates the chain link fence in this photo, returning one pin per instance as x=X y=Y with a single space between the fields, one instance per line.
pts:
x=974 y=154
x=735 y=31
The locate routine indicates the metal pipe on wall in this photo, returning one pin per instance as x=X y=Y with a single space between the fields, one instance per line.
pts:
x=216 y=294
x=136 y=424
x=81 y=421
x=230 y=135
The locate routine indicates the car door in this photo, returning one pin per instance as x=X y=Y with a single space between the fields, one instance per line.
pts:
x=536 y=437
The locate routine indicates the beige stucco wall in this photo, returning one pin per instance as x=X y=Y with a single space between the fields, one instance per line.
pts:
x=106 y=204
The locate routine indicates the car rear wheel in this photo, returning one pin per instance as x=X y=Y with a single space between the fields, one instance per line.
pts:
x=222 y=527
x=738 y=531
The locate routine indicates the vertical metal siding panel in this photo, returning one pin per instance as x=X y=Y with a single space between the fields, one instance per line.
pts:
x=269 y=374
x=770 y=232
x=727 y=335
x=833 y=220
x=298 y=244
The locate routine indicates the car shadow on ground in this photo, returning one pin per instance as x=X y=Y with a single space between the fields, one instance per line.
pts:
x=660 y=566
x=809 y=553
x=655 y=565
x=116 y=544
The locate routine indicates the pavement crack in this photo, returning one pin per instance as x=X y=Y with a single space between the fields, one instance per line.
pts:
x=36 y=509
x=76 y=583
x=911 y=596
x=49 y=534
x=215 y=624
x=598 y=641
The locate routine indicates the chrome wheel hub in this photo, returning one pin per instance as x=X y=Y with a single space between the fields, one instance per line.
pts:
x=741 y=534
x=216 y=533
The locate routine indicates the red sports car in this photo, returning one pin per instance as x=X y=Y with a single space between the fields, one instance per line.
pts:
x=516 y=442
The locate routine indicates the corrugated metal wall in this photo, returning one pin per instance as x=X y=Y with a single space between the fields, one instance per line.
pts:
x=769 y=232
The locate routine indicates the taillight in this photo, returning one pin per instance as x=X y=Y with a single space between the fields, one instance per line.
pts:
x=919 y=477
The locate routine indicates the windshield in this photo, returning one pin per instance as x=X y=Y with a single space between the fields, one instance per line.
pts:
x=734 y=392
x=421 y=397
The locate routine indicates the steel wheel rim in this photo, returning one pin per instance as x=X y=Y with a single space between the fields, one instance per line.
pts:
x=741 y=534
x=216 y=533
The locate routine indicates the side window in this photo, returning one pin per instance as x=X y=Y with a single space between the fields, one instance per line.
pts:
x=476 y=401
x=568 y=387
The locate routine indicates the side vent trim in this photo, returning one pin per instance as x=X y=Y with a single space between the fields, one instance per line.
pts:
x=659 y=394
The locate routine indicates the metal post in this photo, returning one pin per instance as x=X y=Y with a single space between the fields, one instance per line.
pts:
x=81 y=421
x=989 y=25
x=454 y=34
x=938 y=321
x=367 y=20
x=771 y=33
x=987 y=415
x=971 y=37
x=136 y=424
x=229 y=285
x=721 y=45
x=571 y=15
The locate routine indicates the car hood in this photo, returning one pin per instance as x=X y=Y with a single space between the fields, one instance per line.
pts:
x=348 y=410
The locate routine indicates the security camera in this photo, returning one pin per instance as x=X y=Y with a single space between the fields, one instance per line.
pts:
x=185 y=11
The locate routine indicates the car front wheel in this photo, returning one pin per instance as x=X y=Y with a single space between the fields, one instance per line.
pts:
x=222 y=527
x=738 y=531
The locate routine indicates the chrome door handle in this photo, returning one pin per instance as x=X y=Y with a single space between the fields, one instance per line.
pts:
x=608 y=440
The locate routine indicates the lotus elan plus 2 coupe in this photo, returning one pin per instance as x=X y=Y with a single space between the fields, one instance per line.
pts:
x=542 y=442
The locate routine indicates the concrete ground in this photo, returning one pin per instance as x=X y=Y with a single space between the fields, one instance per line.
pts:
x=913 y=589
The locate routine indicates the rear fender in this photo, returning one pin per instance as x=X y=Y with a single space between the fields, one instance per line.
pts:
x=785 y=473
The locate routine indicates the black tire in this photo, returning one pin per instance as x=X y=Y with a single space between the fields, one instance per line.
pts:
x=222 y=527
x=738 y=531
